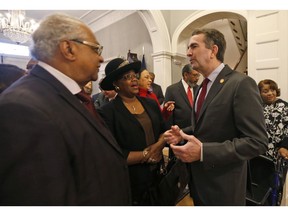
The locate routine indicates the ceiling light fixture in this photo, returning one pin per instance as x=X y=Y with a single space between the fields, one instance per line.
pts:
x=15 y=26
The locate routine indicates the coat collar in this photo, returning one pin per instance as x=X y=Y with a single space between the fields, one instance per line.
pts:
x=67 y=96
x=217 y=85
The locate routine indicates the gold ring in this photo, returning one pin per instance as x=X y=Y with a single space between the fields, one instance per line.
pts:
x=145 y=152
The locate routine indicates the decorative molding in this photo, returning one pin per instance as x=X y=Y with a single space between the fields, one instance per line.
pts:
x=157 y=29
x=107 y=19
x=200 y=18
x=161 y=53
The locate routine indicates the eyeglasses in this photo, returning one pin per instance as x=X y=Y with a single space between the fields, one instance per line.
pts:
x=129 y=77
x=95 y=47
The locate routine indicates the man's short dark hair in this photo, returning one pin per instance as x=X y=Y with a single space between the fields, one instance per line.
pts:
x=213 y=37
x=187 y=69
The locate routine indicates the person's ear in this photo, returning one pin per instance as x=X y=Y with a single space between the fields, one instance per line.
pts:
x=214 y=51
x=67 y=49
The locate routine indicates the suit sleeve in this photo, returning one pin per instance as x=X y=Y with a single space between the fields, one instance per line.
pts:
x=36 y=155
x=248 y=122
x=107 y=114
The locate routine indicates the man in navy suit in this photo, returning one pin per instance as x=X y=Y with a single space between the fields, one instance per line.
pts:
x=177 y=92
x=230 y=128
x=53 y=150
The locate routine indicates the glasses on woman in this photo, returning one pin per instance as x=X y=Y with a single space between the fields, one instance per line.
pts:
x=129 y=76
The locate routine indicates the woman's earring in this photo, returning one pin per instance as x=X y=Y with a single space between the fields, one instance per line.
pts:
x=116 y=88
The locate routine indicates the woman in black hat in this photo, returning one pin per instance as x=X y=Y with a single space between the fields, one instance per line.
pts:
x=137 y=125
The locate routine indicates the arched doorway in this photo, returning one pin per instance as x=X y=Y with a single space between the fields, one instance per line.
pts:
x=232 y=24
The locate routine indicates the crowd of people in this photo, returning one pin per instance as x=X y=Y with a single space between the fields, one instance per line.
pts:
x=58 y=148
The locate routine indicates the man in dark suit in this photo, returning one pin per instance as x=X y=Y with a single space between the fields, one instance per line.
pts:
x=177 y=92
x=103 y=97
x=53 y=150
x=230 y=128
x=157 y=90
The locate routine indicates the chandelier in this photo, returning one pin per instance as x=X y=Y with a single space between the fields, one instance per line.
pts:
x=15 y=26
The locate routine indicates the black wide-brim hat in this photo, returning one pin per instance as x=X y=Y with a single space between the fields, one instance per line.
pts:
x=114 y=70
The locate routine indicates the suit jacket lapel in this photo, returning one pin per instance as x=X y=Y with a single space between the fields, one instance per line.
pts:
x=183 y=93
x=215 y=88
x=195 y=90
x=74 y=102
x=119 y=105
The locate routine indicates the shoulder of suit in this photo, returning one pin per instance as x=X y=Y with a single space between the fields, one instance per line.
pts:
x=174 y=85
x=154 y=84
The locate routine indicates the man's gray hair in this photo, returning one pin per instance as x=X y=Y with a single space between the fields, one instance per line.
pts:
x=51 y=31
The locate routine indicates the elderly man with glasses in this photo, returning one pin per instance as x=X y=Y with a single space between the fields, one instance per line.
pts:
x=53 y=150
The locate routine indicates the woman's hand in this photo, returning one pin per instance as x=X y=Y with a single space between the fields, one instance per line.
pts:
x=173 y=136
x=155 y=153
x=169 y=106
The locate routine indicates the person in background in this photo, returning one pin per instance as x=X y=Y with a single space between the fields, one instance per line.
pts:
x=156 y=89
x=276 y=118
x=103 y=98
x=31 y=63
x=9 y=74
x=145 y=81
x=230 y=128
x=138 y=126
x=53 y=150
x=177 y=92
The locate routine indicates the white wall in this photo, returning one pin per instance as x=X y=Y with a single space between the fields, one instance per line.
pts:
x=267 y=47
x=16 y=60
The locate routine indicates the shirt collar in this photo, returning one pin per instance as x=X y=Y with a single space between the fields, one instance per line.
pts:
x=69 y=83
x=185 y=85
x=215 y=73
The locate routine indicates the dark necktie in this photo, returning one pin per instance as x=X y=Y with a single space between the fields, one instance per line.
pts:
x=201 y=97
x=189 y=95
x=87 y=102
